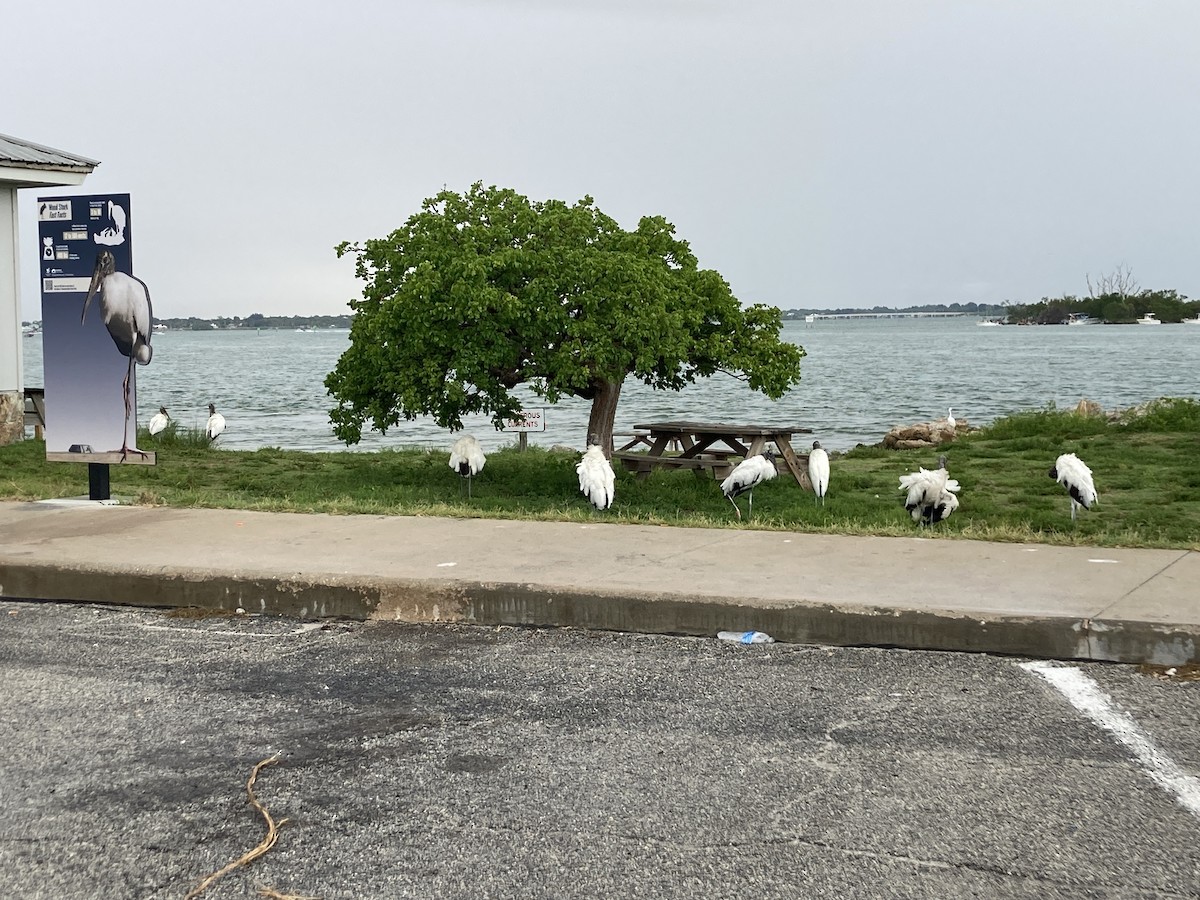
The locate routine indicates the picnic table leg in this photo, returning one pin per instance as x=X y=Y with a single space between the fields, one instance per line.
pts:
x=798 y=469
x=659 y=445
x=656 y=449
x=695 y=448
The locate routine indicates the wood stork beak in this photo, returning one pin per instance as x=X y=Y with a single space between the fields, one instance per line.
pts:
x=105 y=266
x=92 y=288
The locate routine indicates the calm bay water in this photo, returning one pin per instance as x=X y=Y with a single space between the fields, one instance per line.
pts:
x=860 y=378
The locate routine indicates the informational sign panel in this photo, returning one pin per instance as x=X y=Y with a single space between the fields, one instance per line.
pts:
x=527 y=420
x=91 y=386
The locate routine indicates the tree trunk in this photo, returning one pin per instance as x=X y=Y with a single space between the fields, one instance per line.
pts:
x=604 y=411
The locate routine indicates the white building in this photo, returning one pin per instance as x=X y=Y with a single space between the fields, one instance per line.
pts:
x=22 y=165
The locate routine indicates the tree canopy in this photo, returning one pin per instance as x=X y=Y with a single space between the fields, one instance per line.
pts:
x=482 y=291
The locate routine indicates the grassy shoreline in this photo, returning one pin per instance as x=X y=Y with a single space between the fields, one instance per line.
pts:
x=1147 y=472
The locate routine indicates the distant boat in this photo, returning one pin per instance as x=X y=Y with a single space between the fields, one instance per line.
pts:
x=1195 y=321
x=989 y=322
x=1148 y=319
x=1080 y=319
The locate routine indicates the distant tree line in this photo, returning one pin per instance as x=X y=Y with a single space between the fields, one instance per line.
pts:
x=968 y=309
x=256 y=320
x=1114 y=307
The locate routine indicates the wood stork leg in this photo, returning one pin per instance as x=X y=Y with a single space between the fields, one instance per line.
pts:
x=468 y=487
x=125 y=448
x=1074 y=507
x=750 y=505
x=735 y=507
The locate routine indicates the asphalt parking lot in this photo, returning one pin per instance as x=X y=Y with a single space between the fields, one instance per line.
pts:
x=459 y=761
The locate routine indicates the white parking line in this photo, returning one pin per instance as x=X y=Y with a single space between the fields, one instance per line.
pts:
x=1086 y=696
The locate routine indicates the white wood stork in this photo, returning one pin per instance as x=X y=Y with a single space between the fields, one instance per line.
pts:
x=467 y=459
x=818 y=471
x=1072 y=473
x=596 y=478
x=931 y=494
x=215 y=424
x=746 y=476
x=129 y=318
x=158 y=422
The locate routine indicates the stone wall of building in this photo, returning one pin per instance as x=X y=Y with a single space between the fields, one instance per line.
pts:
x=12 y=417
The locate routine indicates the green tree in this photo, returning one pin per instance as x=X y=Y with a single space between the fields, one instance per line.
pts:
x=482 y=291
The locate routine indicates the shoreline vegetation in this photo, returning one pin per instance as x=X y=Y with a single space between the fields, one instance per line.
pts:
x=1144 y=463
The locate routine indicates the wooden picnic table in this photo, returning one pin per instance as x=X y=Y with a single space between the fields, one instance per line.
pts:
x=711 y=446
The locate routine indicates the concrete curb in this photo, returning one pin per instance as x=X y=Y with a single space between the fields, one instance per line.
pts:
x=523 y=604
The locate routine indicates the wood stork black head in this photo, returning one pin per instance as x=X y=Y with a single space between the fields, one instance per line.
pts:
x=105 y=266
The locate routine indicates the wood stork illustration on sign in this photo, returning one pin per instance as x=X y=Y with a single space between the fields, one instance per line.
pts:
x=215 y=424
x=467 y=459
x=746 y=476
x=930 y=495
x=597 y=480
x=818 y=471
x=1072 y=473
x=158 y=422
x=129 y=317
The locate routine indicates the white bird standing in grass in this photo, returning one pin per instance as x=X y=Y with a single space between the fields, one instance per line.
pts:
x=931 y=494
x=215 y=424
x=746 y=476
x=1072 y=473
x=596 y=478
x=818 y=471
x=158 y=422
x=467 y=459
x=129 y=318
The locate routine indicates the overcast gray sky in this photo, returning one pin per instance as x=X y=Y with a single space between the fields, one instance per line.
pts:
x=854 y=153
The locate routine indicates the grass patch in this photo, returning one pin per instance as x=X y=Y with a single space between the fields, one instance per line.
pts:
x=173 y=437
x=1145 y=470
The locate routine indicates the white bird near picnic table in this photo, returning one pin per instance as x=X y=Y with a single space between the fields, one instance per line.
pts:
x=818 y=471
x=1072 y=473
x=158 y=422
x=467 y=459
x=931 y=494
x=596 y=478
x=215 y=424
x=129 y=318
x=746 y=476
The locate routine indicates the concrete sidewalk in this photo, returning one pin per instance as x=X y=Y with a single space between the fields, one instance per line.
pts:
x=1032 y=600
